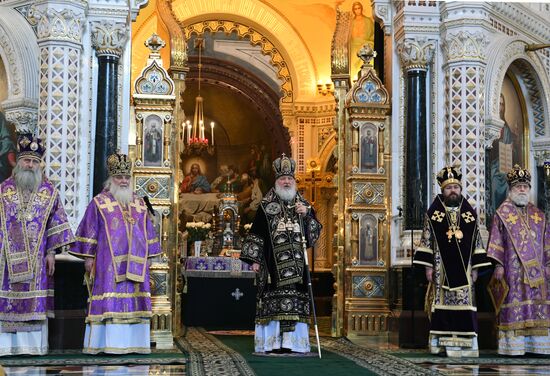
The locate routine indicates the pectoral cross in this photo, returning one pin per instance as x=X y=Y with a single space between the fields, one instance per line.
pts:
x=450 y=234
x=109 y=205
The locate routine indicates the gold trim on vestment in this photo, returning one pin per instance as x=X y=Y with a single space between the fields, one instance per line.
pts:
x=525 y=302
x=86 y=240
x=26 y=294
x=121 y=295
x=118 y=315
x=57 y=229
x=152 y=241
x=511 y=333
x=116 y=350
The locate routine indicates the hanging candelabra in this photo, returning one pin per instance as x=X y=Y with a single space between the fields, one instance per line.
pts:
x=196 y=141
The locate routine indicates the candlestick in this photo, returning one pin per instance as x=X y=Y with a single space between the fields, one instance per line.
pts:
x=212 y=131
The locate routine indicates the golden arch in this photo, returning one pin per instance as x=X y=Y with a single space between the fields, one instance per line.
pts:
x=269 y=24
x=243 y=31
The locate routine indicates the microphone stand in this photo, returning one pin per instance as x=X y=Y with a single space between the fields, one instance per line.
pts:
x=310 y=288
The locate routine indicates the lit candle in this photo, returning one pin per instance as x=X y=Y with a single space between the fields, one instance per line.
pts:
x=201 y=129
x=212 y=131
x=188 y=132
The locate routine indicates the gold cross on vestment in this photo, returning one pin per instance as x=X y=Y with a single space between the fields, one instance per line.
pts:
x=438 y=216
x=138 y=206
x=512 y=218
x=536 y=218
x=9 y=193
x=109 y=205
x=468 y=217
x=43 y=195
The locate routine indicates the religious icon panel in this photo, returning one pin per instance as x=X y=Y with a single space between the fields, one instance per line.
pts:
x=509 y=149
x=368 y=240
x=369 y=148
x=152 y=140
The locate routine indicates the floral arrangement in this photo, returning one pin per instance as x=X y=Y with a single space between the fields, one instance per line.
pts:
x=197 y=230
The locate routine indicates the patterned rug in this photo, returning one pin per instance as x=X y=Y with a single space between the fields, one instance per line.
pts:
x=377 y=361
x=210 y=356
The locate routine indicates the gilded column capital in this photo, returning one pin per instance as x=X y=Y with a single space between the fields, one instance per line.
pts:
x=109 y=38
x=52 y=24
x=416 y=53
x=465 y=45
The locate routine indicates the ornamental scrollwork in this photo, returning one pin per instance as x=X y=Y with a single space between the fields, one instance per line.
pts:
x=416 y=53
x=109 y=38
x=59 y=25
x=465 y=45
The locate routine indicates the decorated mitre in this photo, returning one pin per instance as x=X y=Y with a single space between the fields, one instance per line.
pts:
x=284 y=166
x=119 y=164
x=449 y=175
x=518 y=175
x=29 y=146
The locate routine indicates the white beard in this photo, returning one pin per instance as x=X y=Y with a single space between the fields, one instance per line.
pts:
x=124 y=196
x=520 y=199
x=286 y=194
x=27 y=180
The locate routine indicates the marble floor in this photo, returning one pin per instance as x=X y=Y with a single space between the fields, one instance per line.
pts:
x=489 y=364
x=492 y=362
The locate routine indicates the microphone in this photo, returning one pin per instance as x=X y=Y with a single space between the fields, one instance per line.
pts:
x=149 y=206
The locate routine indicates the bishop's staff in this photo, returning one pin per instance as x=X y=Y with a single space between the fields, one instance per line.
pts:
x=547 y=176
x=308 y=279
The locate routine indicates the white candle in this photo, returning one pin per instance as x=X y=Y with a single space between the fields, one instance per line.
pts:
x=188 y=132
x=212 y=131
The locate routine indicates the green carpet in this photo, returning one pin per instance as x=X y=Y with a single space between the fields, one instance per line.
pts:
x=72 y=357
x=330 y=364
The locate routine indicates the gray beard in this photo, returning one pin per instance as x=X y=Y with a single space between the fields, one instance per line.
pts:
x=519 y=199
x=123 y=195
x=27 y=180
x=286 y=194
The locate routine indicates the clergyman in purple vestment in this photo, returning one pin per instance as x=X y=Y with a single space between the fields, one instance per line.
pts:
x=116 y=238
x=519 y=244
x=33 y=225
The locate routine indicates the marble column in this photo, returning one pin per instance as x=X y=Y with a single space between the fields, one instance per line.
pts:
x=59 y=33
x=416 y=55
x=108 y=40
x=465 y=70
